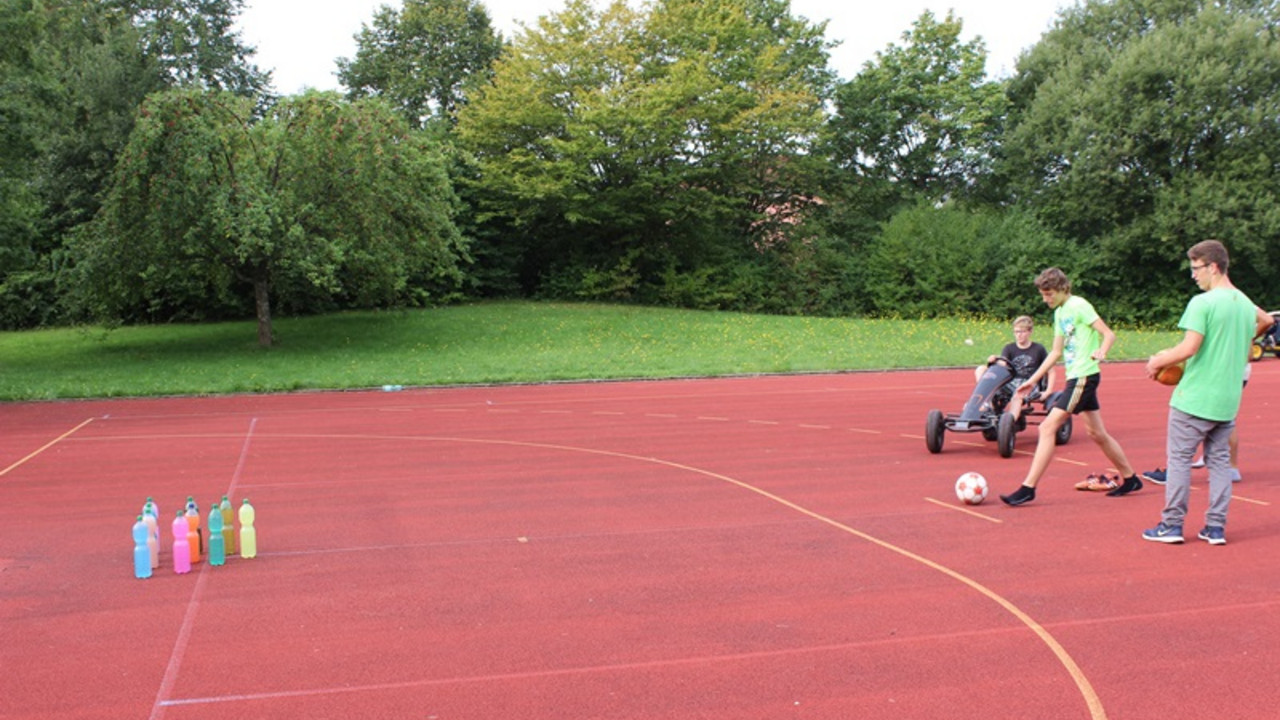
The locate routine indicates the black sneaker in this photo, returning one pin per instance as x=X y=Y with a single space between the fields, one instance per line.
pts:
x=1156 y=476
x=1021 y=496
x=1131 y=484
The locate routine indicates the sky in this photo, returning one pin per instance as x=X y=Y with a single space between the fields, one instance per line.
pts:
x=301 y=40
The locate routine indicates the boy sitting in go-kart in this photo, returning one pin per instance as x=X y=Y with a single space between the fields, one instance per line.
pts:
x=1023 y=357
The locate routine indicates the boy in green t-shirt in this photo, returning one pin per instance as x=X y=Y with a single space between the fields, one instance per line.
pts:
x=1219 y=325
x=1082 y=339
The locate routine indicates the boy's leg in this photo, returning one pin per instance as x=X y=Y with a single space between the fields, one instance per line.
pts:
x=1097 y=431
x=1110 y=447
x=1045 y=445
x=1217 y=458
x=1184 y=435
x=1040 y=461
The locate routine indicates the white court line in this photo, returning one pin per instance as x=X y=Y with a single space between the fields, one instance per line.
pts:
x=193 y=605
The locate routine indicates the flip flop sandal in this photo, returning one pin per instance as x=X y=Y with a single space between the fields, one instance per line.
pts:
x=1099 y=483
x=1107 y=483
x=1089 y=481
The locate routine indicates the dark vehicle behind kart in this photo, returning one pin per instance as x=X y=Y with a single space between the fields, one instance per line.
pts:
x=1269 y=342
x=985 y=413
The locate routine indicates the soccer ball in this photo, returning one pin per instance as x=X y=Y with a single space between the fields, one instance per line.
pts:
x=971 y=488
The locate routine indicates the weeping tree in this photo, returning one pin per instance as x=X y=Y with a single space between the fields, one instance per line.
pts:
x=324 y=200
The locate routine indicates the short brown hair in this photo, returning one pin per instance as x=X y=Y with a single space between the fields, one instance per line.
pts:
x=1211 y=252
x=1053 y=279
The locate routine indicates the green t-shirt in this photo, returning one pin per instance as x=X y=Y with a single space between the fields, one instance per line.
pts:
x=1073 y=320
x=1210 y=386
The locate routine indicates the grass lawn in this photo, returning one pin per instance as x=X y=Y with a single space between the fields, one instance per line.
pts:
x=495 y=342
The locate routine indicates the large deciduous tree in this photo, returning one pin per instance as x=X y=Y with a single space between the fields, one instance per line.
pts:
x=72 y=75
x=1139 y=128
x=421 y=58
x=633 y=150
x=920 y=121
x=321 y=199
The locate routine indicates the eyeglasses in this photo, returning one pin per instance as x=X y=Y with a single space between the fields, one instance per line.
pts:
x=1197 y=268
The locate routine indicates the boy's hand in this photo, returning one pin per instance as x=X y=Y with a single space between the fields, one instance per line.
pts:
x=1099 y=355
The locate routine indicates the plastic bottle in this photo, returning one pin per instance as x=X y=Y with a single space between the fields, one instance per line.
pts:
x=181 y=548
x=217 y=550
x=248 y=534
x=392 y=388
x=153 y=534
x=193 y=516
x=228 y=526
x=141 y=553
x=193 y=526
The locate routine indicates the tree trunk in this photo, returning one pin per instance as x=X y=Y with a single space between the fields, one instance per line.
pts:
x=262 y=297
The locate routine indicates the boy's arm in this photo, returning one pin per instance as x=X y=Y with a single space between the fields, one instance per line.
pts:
x=1108 y=339
x=1189 y=346
x=1264 y=321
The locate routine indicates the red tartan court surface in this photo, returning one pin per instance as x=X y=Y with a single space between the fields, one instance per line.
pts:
x=764 y=547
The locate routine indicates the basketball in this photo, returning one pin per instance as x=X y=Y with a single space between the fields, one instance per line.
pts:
x=1170 y=374
x=971 y=488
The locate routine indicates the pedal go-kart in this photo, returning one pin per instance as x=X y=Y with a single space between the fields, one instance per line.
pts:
x=1268 y=343
x=985 y=413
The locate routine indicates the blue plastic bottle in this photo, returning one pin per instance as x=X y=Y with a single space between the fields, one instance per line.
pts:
x=141 y=553
x=217 y=549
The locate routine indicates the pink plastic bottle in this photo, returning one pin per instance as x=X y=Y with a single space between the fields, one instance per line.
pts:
x=181 y=547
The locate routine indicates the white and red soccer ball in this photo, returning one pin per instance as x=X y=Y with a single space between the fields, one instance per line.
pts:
x=971 y=488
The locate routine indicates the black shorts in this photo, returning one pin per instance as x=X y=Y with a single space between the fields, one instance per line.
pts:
x=1080 y=395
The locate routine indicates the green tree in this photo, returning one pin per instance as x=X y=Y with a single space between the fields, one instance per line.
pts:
x=919 y=121
x=195 y=43
x=1139 y=128
x=946 y=261
x=627 y=150
x=421 y=59
x=321 y=199
x=73 y=74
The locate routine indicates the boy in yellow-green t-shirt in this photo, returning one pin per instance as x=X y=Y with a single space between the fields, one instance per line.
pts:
x=1082 y=340
x=1219 y=324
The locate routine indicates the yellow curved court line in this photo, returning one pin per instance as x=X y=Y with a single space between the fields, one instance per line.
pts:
x=1094 y=703
x=46 y=446
x=1091 y=698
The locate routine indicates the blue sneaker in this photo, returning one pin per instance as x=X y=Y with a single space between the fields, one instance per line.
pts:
x=1213 y=535
x=1156 y=476
x=1164 y=533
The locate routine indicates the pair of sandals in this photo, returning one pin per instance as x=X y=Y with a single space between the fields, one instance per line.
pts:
x=1100 y=483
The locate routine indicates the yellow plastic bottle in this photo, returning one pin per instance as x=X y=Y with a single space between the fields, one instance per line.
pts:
x=248 y=534
x=228 y=525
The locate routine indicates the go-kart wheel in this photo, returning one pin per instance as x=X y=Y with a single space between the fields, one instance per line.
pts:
x=1255 y=352
x=1006 y=435
x=1063 y=435
x=989 y=434
x=934 y=429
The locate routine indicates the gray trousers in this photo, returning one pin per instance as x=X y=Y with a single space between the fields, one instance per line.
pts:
x=1185 y=433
